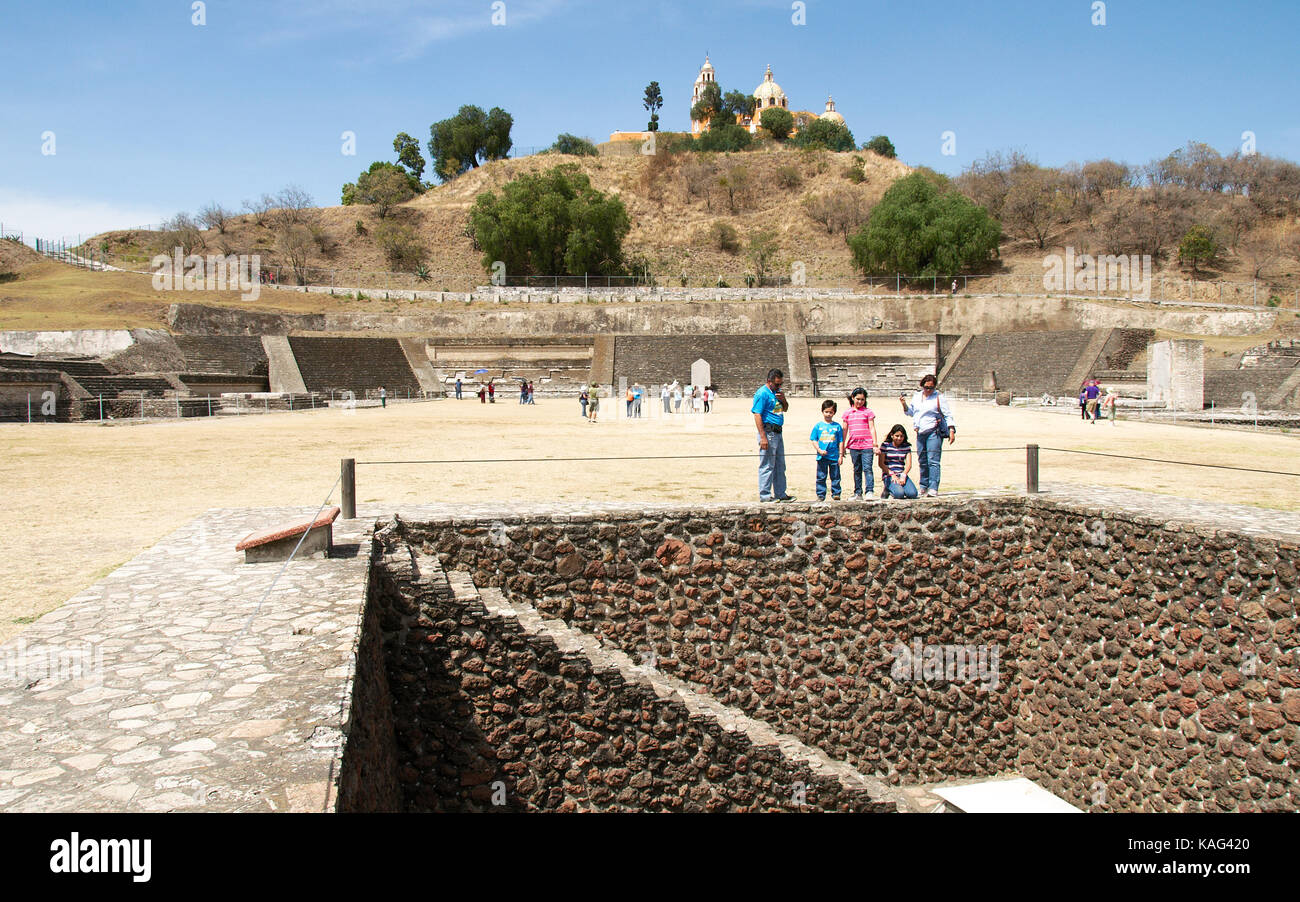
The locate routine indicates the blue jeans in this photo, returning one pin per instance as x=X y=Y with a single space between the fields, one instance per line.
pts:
x=929 y=446
x=827 y=467
x=771 y=468
x=906 y=490
x=862 y=459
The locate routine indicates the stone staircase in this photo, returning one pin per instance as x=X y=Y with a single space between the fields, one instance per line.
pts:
x=234 y=354
x=1025 y=363
x=359 y=365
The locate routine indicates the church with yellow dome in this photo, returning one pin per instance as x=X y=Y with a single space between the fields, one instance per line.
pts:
x=767 y=95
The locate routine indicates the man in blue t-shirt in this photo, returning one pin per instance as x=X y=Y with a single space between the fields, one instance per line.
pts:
x=828 y=441
x=769 y=410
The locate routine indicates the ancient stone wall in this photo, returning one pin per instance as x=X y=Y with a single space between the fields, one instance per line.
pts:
x=490 y=714
x=1127 y=664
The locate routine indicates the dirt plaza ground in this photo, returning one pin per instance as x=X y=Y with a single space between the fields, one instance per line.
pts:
x=80 y=500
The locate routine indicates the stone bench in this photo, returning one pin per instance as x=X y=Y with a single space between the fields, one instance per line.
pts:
x=278 y=542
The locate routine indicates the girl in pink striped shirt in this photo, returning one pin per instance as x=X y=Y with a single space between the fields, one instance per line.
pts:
x=860 y=430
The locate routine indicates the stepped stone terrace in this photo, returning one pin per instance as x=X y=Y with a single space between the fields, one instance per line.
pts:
x=1127 y=652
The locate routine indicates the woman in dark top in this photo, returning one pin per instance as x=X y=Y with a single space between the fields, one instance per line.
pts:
x=896 y=463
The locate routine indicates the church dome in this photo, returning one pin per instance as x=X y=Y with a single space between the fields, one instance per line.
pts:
x=830 y=113
x=769 y=94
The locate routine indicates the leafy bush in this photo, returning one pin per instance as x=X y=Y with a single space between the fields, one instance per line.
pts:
x=777 y=122
x=727 y=137
x=918 y=229
x=458 y=144
x=384 y=185
x=402 y=247
x=724 y=237
x=551 y=223
x=882 y=146
x=825 y=134
x=1199 y=247
x=854 y=171
x=789 y=177
x=573 y=146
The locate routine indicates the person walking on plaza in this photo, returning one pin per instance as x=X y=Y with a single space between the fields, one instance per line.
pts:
x=523 y=391
x=593 y=403
x=482 y=394
x=860 y=434
x=1091 y=398
x=932 y=419
x=629 y=402
x=637 y=393
x=458 y=388
x=582 y=399
x=1108 y=404
x=531 y=399
x=896 y=464
x=769 y=409
x=677 y=396
x=492 y=392
x=1083 y=403
x=383 y=397
x=827 y=438
x=665 y=394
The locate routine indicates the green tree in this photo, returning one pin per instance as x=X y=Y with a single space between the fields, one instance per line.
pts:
x=384 y=184
x=709 y=104
x=460 y=143
x=724 y=137
x=738 y=103
x=408 y=154
x=763 y=250
x=777 y=122
x=402 y=247
x=882 y=146
x=551 y=223
x=918 y=229
x=1199 y=247
x=827 y=134
x=574 y=146
x=653 y=101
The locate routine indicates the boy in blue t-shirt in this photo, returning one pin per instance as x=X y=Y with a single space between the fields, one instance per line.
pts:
x=828 y=440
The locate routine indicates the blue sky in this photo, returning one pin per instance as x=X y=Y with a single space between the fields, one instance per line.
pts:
x=152 y=114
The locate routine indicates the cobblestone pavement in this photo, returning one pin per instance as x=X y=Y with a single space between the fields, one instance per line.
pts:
x=170 y=685
x=173 y=684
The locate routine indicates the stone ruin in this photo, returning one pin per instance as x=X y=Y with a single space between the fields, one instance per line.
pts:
x=1125 y=652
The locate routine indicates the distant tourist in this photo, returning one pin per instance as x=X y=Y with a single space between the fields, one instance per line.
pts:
x=827 y=438
x=860 y=441
x=523 y=392
x=637 y=393
x=697 y=399
x=1083 y=403
x=665 y=395
x=954 y=287
x=482 y=394
x=492 y=392
x=896 y=464
x=769 y=409
x=629 y=402
x=593 y=403
x=458 y=388
x=708 y=398
x=677 y=397
x=1108 y=403
x=582 y=399
x=383 y=397
x=531 y=399
x=1092 y=398
x=932 y=419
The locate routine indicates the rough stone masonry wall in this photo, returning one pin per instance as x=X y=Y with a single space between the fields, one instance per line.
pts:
x=1166 y=671
x=792 y=618
x=1122 y=679
x=492 y=716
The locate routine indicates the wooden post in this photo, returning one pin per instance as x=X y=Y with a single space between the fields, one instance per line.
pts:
x=348 y=471
x=1031 y=469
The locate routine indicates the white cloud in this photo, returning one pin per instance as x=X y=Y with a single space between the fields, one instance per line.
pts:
x=67 y=217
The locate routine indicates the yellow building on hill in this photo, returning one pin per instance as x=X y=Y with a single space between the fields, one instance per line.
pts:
x=767 y=95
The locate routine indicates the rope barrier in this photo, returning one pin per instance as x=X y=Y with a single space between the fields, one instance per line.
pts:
x=535 y=460
x=1185 y=463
